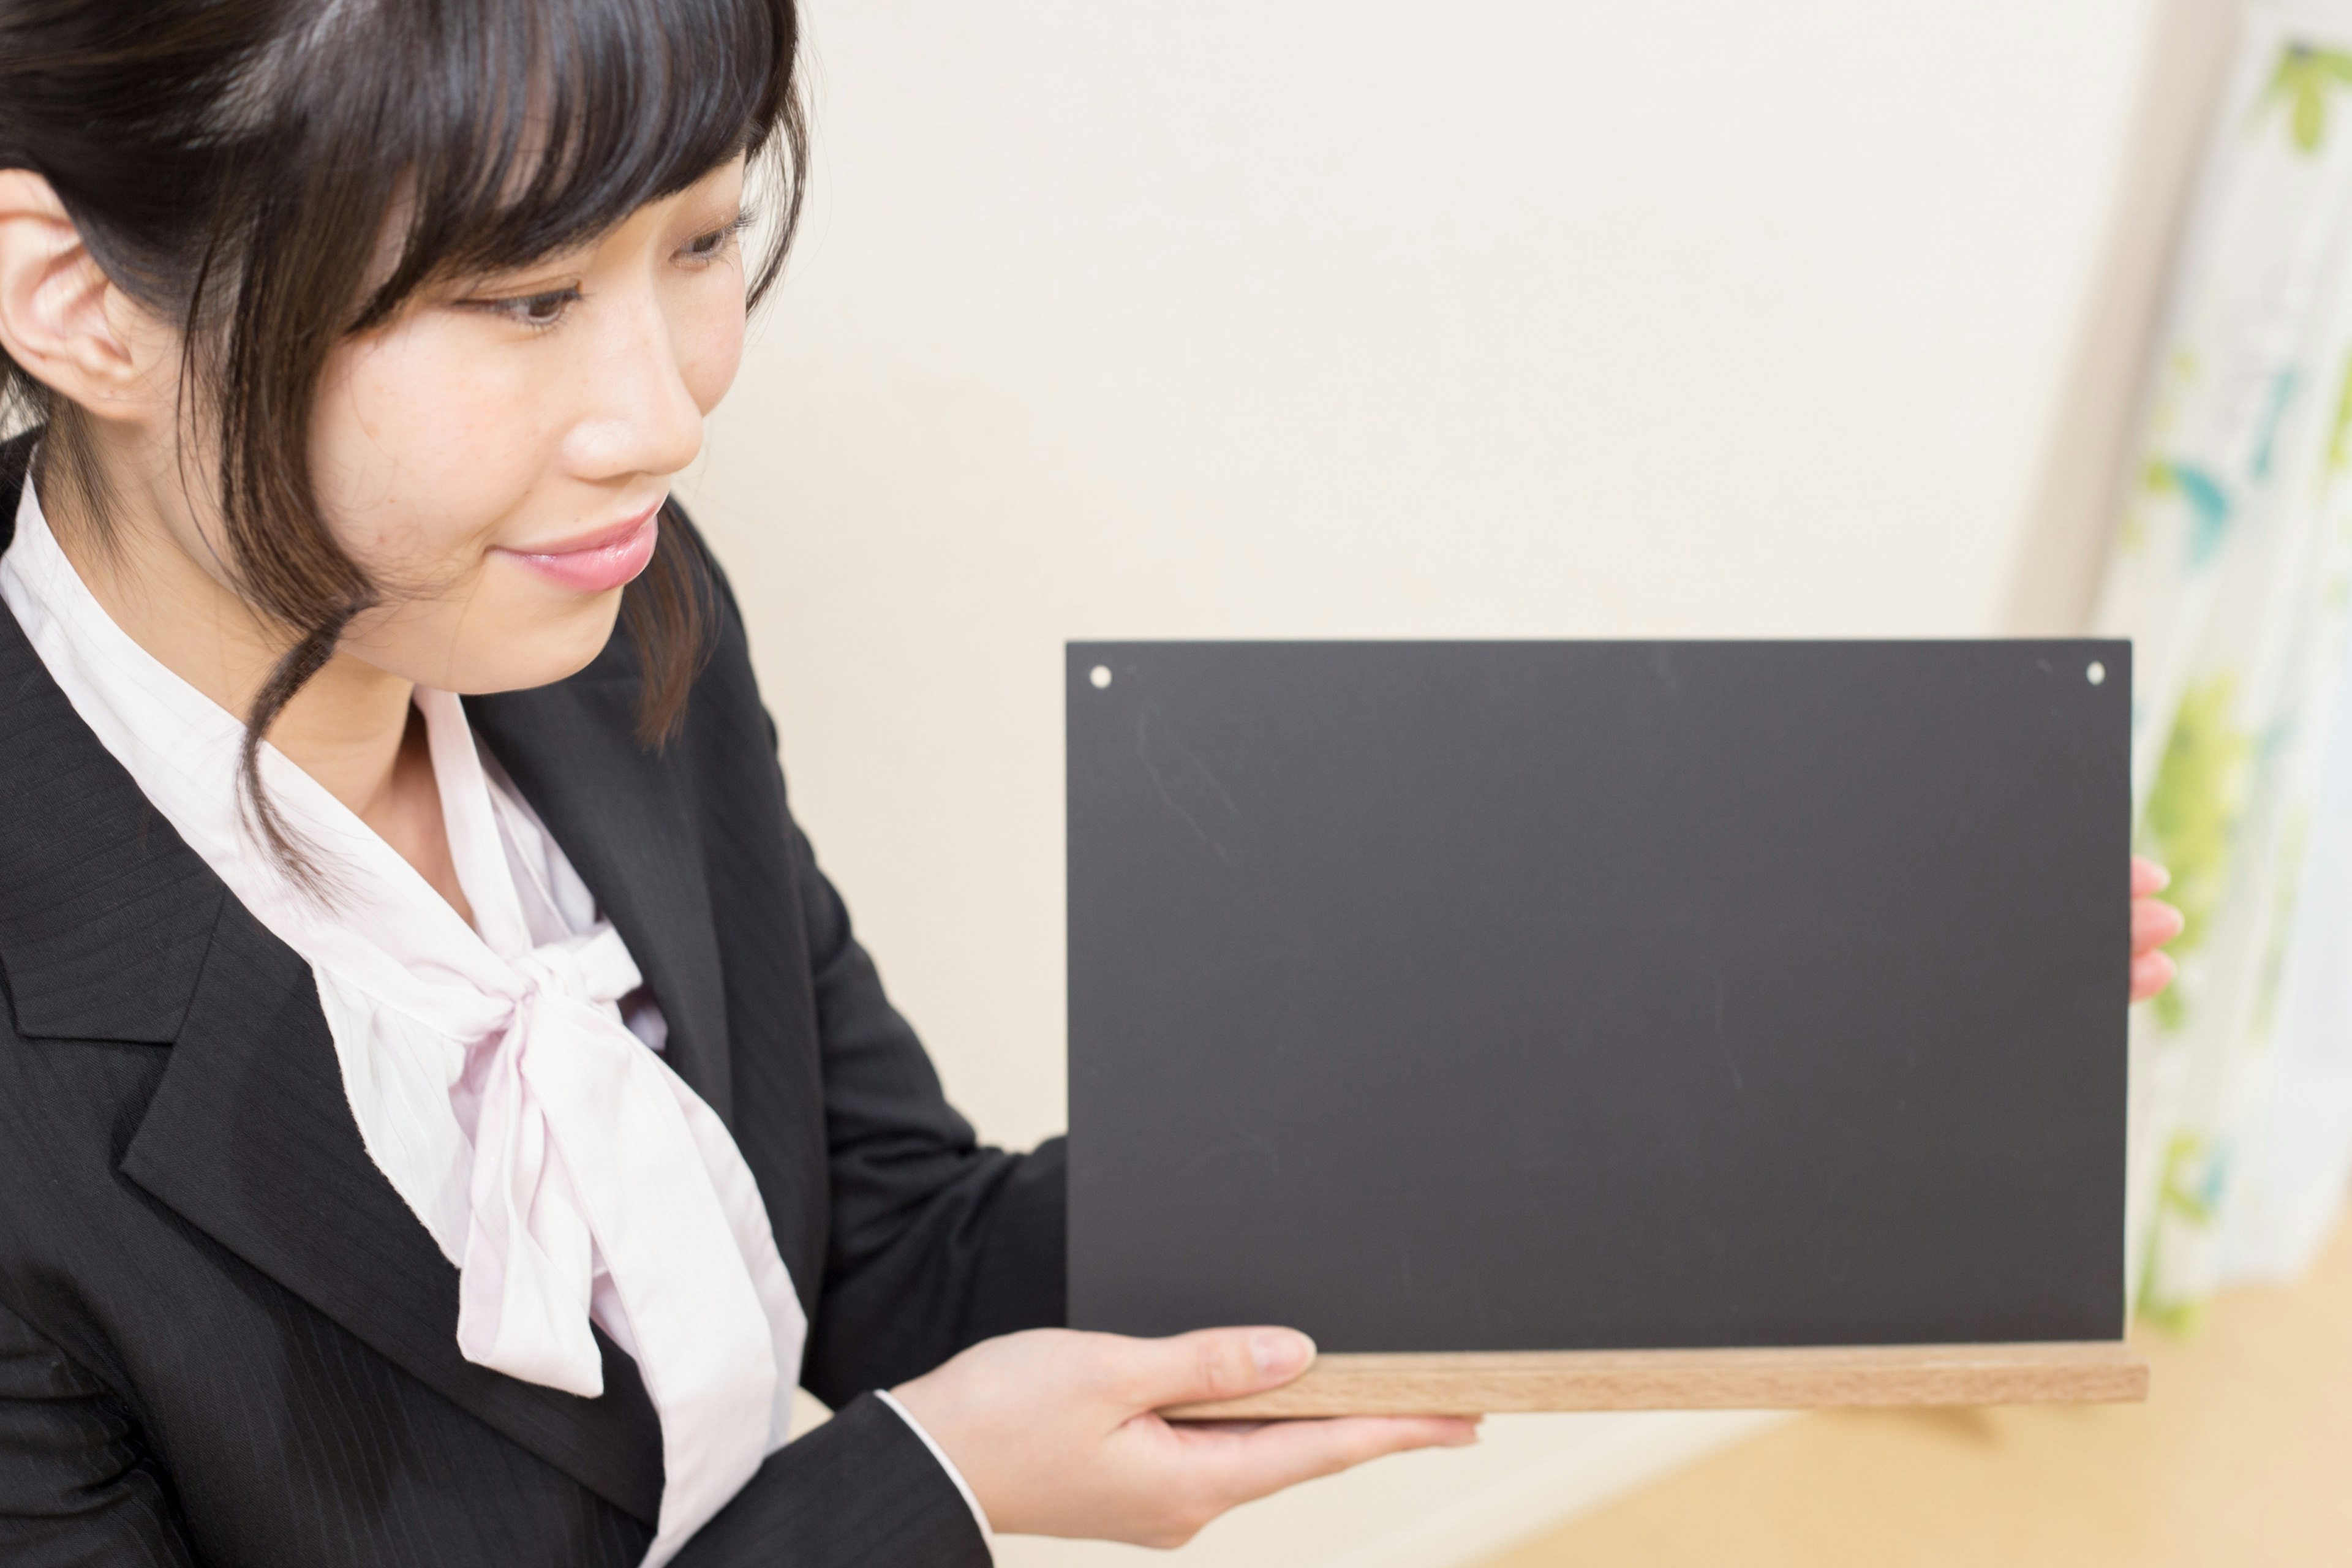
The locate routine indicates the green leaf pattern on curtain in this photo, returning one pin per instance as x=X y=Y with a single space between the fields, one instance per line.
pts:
x=2302 y=81
x=2230 y=570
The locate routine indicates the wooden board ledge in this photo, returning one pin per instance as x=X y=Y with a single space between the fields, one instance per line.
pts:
x=1479 y=1382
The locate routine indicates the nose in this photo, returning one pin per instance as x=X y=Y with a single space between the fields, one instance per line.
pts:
x=641 y=416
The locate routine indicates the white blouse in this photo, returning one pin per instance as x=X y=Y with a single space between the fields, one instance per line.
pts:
x=535 y=1131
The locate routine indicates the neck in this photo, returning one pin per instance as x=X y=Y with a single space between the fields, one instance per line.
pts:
x=153 y=569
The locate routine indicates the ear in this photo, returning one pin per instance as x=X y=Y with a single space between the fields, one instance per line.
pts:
x=61 y=318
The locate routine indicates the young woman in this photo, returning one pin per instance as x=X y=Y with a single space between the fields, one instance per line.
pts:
x=443 y=1111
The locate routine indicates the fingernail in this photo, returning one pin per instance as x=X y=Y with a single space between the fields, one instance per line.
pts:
x=1280 y=1352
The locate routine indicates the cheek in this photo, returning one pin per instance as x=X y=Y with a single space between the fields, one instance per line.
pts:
x=422 y=446
x=709 y=334
x=419 y=448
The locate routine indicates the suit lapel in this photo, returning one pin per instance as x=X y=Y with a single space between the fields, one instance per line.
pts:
x=618 y=812
x=250 y=1139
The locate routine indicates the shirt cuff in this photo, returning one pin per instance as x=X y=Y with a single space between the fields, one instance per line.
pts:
x=979 y=1514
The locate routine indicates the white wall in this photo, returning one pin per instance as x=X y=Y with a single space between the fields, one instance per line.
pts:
x=1298 y=318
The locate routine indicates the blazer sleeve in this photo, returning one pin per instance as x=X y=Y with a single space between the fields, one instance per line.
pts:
x=936 y=1242
x=77 y=1483
x=861 y=1488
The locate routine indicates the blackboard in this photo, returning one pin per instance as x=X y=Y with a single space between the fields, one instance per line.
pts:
x=1483 y=997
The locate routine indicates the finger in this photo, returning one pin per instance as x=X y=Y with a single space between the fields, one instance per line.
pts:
x=1210 y=1363
x=1284 y=1453
x=2147 y=876
x=2154 y=923
x=2150 y=973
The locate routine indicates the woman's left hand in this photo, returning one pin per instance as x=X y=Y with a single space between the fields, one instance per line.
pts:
x=2154 y=923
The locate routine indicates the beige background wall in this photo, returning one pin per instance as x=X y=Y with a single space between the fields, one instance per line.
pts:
x=1309 y=317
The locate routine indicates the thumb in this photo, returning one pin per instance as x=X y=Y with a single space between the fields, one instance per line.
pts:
x=1216 y=1363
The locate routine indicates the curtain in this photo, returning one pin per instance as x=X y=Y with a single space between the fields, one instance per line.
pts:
x=2232 y=571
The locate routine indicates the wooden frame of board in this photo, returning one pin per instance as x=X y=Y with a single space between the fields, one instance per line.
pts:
x=2078 y=1373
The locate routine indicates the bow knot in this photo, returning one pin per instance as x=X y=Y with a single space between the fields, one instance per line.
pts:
x=594 y=968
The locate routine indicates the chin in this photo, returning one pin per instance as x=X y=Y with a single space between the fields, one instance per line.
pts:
x=551 y=652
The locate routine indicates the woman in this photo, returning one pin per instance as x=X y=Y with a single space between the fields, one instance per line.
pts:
x=445 y=1131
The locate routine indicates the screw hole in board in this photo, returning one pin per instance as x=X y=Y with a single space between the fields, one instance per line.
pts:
x=1100 y=675
x=2096 y=675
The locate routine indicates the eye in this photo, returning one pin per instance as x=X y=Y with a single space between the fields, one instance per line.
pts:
x=538 y=312
x=713 y=243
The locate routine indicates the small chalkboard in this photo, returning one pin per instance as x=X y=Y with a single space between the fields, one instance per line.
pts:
x=1616 y=1022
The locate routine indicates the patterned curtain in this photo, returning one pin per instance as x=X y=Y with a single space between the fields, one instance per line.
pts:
x=2231 y=570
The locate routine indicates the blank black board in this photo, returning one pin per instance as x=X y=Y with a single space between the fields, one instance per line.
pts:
x=1553 y=995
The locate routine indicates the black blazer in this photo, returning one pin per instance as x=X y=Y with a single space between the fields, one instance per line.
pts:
x=222 y=1336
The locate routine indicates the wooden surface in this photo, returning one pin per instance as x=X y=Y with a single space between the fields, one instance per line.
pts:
x=1776 y=1379
x=2240 y=1456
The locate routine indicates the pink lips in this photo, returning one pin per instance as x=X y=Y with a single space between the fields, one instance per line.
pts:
x=600 y=562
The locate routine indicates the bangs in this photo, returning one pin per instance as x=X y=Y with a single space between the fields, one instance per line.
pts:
x=510 y=133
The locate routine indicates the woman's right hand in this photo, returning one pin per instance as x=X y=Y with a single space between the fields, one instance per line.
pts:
x=1056 y=1432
